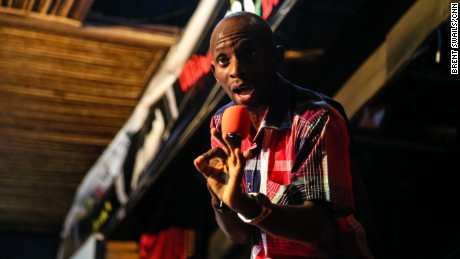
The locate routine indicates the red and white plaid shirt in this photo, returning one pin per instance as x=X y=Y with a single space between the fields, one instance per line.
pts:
x=301 y=152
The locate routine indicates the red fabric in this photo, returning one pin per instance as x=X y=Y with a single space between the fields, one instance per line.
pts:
x=170 y=243
x=267 y=7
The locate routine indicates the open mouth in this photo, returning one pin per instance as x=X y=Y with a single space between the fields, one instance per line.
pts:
x=242 y=91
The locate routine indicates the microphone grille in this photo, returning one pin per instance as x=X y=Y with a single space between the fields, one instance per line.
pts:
x=236 y=120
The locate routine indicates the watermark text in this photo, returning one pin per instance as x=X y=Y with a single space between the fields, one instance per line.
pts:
x=454 y=38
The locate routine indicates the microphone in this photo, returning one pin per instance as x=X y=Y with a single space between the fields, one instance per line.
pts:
x=236 y=122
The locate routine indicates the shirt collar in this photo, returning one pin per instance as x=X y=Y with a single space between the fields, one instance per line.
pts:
x=279 y=115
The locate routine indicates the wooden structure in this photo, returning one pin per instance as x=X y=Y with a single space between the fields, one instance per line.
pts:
x=64 y=11
x=65 y=91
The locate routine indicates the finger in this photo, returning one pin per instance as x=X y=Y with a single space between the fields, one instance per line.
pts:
x=217 y=135
x=200 y=163
x=215 y=152
x=216 y=162
x=240 y=163
x=247 y=154
x=211 y=162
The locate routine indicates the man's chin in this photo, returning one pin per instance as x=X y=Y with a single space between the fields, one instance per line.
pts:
x=243 y=99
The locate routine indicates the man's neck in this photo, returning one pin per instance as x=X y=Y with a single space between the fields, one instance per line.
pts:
x=257 y=116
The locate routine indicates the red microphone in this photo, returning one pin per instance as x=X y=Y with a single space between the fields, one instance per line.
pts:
x=236 y=122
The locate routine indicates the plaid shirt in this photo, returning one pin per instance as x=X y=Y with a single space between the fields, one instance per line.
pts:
x=301 y=152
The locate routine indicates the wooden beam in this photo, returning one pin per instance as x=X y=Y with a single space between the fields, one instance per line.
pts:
x=400 y=44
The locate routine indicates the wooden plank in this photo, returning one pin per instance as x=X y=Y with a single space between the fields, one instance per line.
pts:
x=68 y=11
x=59 y=85
x=163 y=37
x=122 y=250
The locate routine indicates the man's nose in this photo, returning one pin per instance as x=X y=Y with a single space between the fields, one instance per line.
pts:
x=237 y=68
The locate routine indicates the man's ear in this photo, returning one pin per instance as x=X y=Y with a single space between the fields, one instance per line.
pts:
x=213 y=69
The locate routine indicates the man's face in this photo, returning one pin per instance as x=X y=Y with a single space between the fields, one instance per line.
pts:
x=242 y=64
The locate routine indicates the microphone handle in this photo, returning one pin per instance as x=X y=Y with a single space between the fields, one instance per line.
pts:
x=236 y=139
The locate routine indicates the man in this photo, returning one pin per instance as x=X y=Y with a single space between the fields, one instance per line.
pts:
x=290 y=191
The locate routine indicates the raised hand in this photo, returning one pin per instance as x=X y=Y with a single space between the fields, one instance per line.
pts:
x=223 y=168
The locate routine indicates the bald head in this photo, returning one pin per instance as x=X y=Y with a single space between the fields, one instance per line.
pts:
x=244 y=23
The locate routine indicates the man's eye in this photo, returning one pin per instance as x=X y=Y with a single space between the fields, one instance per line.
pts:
x=223 y=60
